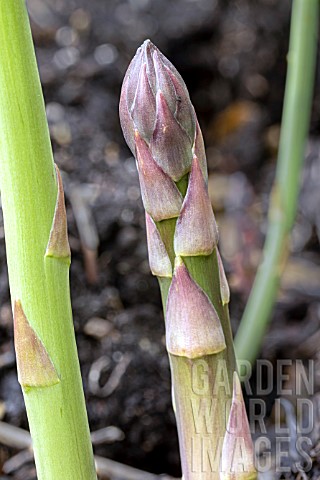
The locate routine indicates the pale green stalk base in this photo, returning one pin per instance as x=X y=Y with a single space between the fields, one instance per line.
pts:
x=283 y=206
x=201 y=413
x=202 y=387
x=56 y=414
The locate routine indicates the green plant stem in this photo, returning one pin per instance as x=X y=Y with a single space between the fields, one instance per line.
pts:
x=57 y=415
x=283 y=205
x=201 y=406
x=166 y=229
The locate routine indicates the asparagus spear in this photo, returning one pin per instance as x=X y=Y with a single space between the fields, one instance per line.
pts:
x=38 y=256
x=161 y=129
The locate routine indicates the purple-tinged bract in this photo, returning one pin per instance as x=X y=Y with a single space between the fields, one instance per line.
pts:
x=193 y=328
x=170 y=145
x=196 y=231
x=199 y=152
x=160 y=196
x=159 y=260
x=143 y=118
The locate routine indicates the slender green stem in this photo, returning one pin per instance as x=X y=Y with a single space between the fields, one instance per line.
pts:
x=283 y=205
x=201 y=409
x=39 y=281
x=201 y=406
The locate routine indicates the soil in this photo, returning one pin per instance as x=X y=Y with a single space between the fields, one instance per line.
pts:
x=232 y=56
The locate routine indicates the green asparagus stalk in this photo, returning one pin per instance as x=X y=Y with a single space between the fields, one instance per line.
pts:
x=162 y=131
x=38 y=256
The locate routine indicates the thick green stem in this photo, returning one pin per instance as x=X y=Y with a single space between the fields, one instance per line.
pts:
x=283 y=206
x=202 y=409
x=39 y=278
x=202 y=387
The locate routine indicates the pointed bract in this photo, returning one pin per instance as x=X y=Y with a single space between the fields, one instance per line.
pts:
x=58 y=244
x=193 y=328
x=199 y=152
x=166 y=62
x=144 y=118
x=128 y=92
x=224 y=287
x=196 y=231
x=237 y=459
x=159 y=260
x=164 y=83
x=184 y=113
x=170 y=145
x=160 y=196
x=148 y=48
x=35 y=368
x=132 y=76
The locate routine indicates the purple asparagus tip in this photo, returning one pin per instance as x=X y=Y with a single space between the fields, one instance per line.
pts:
x=155 y=102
